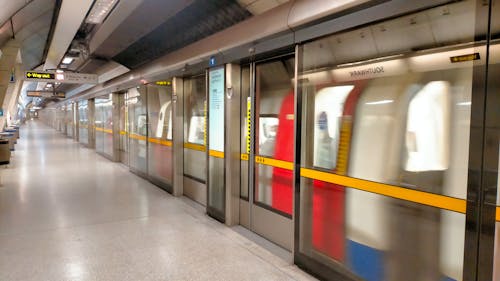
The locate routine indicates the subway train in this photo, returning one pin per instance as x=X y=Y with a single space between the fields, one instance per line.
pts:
x=355 y=133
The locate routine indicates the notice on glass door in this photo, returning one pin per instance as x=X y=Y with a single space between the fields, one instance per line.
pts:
x=216 y=109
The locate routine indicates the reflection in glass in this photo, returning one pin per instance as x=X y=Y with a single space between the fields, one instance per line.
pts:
x=328 y=108
x=104 y=124
x=123 y=128
x=83 y=121
x=195 y=163
x=160 y=130
x=137 y=115
x=245 y=128
x=275 y=138
x=403 y=120
x=69 y=120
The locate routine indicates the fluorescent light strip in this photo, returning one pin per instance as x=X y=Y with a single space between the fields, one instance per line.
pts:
x=67 y=60
x=100 y=11
x=379 y=102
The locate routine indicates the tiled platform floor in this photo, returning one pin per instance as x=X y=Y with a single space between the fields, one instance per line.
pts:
x=67 y=213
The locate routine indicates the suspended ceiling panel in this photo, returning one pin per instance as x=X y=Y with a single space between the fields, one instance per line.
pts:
x=145 y=18
x=10 y=7
x=31 y=26
x=193 y=23
x=70 y=18
x=257 y=7
x=120 y=13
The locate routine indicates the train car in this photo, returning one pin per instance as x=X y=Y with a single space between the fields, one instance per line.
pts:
x=410 y=128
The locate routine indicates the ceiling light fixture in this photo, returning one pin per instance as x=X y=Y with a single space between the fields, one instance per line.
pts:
x=100 y=10
x=67 y=60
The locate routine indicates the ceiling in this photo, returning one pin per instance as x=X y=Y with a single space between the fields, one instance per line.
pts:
x=134 y=33
x=29 y=22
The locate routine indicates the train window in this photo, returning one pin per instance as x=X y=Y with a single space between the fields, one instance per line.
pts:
x=194 y=127
x=328 y=108
x=160 y=111
x=427 y=127
x=196 y=130
x=268 y=126
x=194 y=109
x=137 y=112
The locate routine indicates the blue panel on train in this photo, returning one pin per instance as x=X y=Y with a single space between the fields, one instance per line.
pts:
x=448 y=279
x=365 y=261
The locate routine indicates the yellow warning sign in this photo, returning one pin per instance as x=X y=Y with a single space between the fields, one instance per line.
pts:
x=249 y=115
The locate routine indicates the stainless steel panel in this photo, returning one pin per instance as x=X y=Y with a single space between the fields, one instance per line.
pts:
x=195 y=190
x=178 y=135
x=232 y=153
x=159 y=110
x=195 y=164
x=244 y=213
x=273 y=226
x=216 y=188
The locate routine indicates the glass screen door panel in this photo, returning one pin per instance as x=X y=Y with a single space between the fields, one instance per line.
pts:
x=160 y=133
x=381 y=139
x=138 y=122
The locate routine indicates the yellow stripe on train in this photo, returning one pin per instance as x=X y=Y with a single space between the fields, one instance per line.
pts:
x=416 y=196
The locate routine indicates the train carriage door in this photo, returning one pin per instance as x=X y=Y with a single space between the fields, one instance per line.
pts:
x=267 y=146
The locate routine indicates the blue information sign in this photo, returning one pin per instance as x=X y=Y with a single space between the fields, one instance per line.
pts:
x=212 y=61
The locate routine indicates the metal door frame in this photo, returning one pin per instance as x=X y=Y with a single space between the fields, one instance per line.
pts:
x=216 y=214
x=255 y=211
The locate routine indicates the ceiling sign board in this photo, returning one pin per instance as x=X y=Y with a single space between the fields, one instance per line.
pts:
x=46 y=94
x=39 y=76
x=77 y=78
x=65 y=77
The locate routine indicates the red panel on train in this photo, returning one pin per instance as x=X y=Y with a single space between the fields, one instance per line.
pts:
x=283 y=179
x=328 y=223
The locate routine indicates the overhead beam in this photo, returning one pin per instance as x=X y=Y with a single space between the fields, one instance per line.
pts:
x=70 y=18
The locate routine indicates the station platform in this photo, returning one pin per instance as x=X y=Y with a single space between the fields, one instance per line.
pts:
x=67 y=213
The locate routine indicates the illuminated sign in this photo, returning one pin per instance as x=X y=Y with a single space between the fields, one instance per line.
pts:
x=46 y=94
x=212 y=61
x=463 y=58
x=60 y=95
x=163 y=83
x=216 y=109
x=33 y=75
x=66 y=77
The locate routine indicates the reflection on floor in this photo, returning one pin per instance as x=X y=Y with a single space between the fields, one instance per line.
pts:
x=67 y=213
